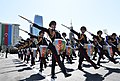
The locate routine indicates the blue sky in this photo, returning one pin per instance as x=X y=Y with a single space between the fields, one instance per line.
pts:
x=94 y=14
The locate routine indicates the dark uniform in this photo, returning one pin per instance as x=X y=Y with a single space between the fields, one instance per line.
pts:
x=114 y=44
x=32 y=45
x=82 y=39
x=99 y=45
x=53 y=34
x=24 y=50
x=6 y=52
x=28 y=50
x=64 y=53
x=41 y=41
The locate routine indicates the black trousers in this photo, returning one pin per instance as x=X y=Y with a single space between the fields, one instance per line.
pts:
x=28 y=58
x=24 y=57
x=73 y=53
x=6 y=54
x=42 y=61
x=83 y=54
x=105 y=52
x=21 y=56
x=32 y=59
x=56 y=58
x=95 y=54
x=68 y=57
x=115 y=49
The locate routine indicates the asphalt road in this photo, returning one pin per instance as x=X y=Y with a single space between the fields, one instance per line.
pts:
x=13 y=69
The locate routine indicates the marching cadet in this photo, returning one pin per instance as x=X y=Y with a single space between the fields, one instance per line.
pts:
x=99 y=45
x=114 y=44
x=64 y=53
x=28 y=49
x=53 y=34
x=32 y=45
x=24 y=51
x=82 y=39
x=20 y=47
x=99 y=42
x=72 y=41
x=104 y=52
x=41 y=41
x=19 y=52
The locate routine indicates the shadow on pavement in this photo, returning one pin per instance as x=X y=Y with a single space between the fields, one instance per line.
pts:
x=87 y=65
x=93 y=77
x=69 y=70
x=34 y=77
x=26 y=68
x=69 y=63
x=16 y=61
x=8 y=71
x=111 y=70
x=21 y=65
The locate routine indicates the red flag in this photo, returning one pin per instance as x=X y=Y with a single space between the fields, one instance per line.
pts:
x=6 y=35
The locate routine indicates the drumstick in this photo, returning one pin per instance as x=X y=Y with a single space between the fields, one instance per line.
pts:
x=89 y=32
x=65 y=26
x=23 y=30
x=50 y=41
x=26 y=19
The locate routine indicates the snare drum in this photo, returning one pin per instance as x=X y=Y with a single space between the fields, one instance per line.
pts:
x=110 y=51
x=28 y=51
x=89 y=49
x=104 y=47
x=34 y=50
x=60 y=45
x=43 y=50
x=118 y=46
x=68 y=50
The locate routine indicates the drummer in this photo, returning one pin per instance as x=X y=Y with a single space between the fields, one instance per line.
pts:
x=24 y=51
x=82 y=39
x=64 y=53
x=100 y=44
x=32 y=45
x=115 y=43
x=28 y=50
x=41 y=41
x=98 y=41
x=53 y=34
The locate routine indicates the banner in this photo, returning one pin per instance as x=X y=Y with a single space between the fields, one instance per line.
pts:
x=2 y=34
x=9 y=34
x=6 y=35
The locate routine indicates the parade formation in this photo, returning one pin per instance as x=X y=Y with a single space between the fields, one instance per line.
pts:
x=57 y=47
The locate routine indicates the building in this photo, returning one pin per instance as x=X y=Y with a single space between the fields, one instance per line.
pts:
x=39 y=21
x=9 y=34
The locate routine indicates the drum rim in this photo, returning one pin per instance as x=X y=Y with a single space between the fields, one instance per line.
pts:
x=43 y=46
x=58 y=39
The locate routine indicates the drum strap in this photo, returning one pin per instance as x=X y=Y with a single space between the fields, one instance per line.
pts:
x=39 y=39
x=82 y=36
x=52 y=33
x=26 y=44
x=100 y=39
x=30 y=43
x=114 y=40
